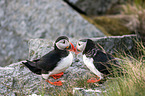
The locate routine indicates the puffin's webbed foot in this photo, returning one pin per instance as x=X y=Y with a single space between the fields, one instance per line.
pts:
x=93 y=80
x=57 y=76
x=57 y=83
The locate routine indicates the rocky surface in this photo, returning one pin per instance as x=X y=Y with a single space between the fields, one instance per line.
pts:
x=93 y=7
x=86 y=92
x=21 y=20
x=17 y=80
x=115 y=44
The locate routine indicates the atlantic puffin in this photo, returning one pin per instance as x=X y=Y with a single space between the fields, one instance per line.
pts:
x=99 y=62
x=55 y=62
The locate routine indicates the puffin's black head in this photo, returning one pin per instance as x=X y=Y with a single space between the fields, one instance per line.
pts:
x=62 y=43
x=61 y=38
x=84 y=45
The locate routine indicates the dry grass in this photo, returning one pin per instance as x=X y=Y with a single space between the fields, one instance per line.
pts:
x=129 y=20
x=137 y=9
x=131 y=84
x=133 y=81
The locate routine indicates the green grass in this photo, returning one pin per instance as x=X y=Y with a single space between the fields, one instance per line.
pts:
x=42 y=90
x=67 y=88
x=132 y=83
x=128 y=20
x=133 y=7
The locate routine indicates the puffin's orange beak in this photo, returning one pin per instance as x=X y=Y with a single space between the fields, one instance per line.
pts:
x=71 y=47
x=76 y=51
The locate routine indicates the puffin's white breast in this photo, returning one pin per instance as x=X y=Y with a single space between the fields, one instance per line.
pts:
x=89 y=63
x=63 y=64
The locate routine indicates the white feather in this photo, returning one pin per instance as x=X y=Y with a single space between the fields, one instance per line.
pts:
x=89 y=63
x=45 y=76
x=62 y=65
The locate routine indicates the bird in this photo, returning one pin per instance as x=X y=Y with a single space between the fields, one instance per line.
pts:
x=98 y=61
x=54 y=63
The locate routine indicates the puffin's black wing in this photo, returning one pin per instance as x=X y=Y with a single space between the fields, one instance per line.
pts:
x=47 y=63
x=32 y=68
x=103 y=62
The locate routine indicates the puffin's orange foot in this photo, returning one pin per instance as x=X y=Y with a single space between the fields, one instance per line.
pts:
x=93 y=80
x=57 y=76
x=57 y=83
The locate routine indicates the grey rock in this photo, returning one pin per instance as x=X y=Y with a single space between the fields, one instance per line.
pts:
x=115 y=44
x=111 y=44
x=21 y=20
x=39 y=47
x=93 y=7
x=87 y=92
x=17 y=80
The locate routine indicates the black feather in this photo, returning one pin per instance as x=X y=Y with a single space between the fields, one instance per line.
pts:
x=49 y=61
x=104 y=62
x=32 y=68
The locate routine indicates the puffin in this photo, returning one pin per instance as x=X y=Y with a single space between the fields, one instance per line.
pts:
x=99 y=62
x=54 y=63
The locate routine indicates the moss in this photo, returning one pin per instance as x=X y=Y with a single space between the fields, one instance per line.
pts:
x=109 y=25
x=113 y=26
x=98 y=26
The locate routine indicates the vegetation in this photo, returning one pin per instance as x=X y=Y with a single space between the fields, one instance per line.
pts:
x=129 y=19
x=137 y=10
x=133 y=82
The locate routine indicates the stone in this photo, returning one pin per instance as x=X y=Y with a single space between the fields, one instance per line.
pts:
x=116 y=44
x=111 y=44
x=87 y=92
x=21 y=20
x=17 y=80
x=93 y=7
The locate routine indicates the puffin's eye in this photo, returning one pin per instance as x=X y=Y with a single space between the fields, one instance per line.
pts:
x=63 y=42
x=79 y=44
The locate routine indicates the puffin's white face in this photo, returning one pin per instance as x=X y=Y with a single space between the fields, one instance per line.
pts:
x=81 y=46
x=62 y=44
